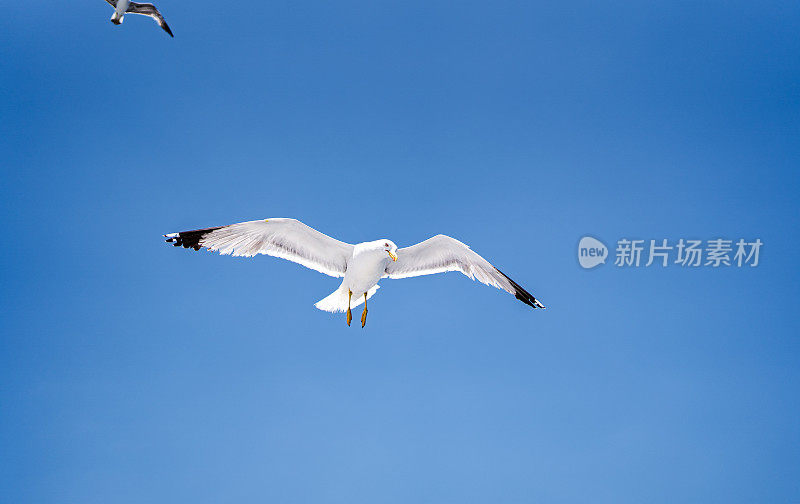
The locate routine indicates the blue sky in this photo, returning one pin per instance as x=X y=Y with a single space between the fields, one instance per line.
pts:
x=134 y=372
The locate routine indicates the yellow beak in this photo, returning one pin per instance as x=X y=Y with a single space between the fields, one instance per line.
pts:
x=392 y=255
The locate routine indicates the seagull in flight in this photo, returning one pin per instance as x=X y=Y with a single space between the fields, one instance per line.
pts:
x=361 y=266
x=121 y=7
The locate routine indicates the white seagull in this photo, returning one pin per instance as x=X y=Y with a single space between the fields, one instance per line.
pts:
x=362 y=265
x=121 y=7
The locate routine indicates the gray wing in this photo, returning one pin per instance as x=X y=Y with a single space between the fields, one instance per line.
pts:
x=442 y=253
x=146 y=9
x=285 y=238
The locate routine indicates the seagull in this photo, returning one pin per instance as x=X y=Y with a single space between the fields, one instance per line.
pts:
x=361 y=266
x=121 y=7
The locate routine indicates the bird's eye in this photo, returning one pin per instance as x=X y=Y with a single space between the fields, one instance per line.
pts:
x=385 y=244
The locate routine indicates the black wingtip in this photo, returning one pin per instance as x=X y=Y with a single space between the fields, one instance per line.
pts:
x=523 y=295
x=165 y=26
x=189 y=239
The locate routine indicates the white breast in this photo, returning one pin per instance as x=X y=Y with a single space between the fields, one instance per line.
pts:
x=365 y=269
x=122 y=6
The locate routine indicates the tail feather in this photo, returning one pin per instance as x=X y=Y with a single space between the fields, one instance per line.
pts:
x=336 y=302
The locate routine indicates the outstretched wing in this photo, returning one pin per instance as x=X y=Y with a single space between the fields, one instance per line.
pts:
x=146 y=9
x=442 y=253
x=112 y=2
x=285 y=238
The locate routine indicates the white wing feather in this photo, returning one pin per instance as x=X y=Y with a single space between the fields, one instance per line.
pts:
x=442 y=253
x=285 y=238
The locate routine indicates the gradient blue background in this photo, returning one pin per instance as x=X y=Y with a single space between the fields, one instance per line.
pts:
x=134 y=372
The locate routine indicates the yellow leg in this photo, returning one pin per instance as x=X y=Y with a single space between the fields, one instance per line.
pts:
x=349 y=313
x=364 y=314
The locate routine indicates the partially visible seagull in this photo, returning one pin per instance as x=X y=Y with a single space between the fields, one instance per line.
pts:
x=121 y=7
x=361 y=265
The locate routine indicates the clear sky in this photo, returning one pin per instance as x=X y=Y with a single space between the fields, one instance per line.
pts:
x=134 y=372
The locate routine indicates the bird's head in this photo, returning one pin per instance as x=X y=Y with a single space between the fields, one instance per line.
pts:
x=390 y=248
